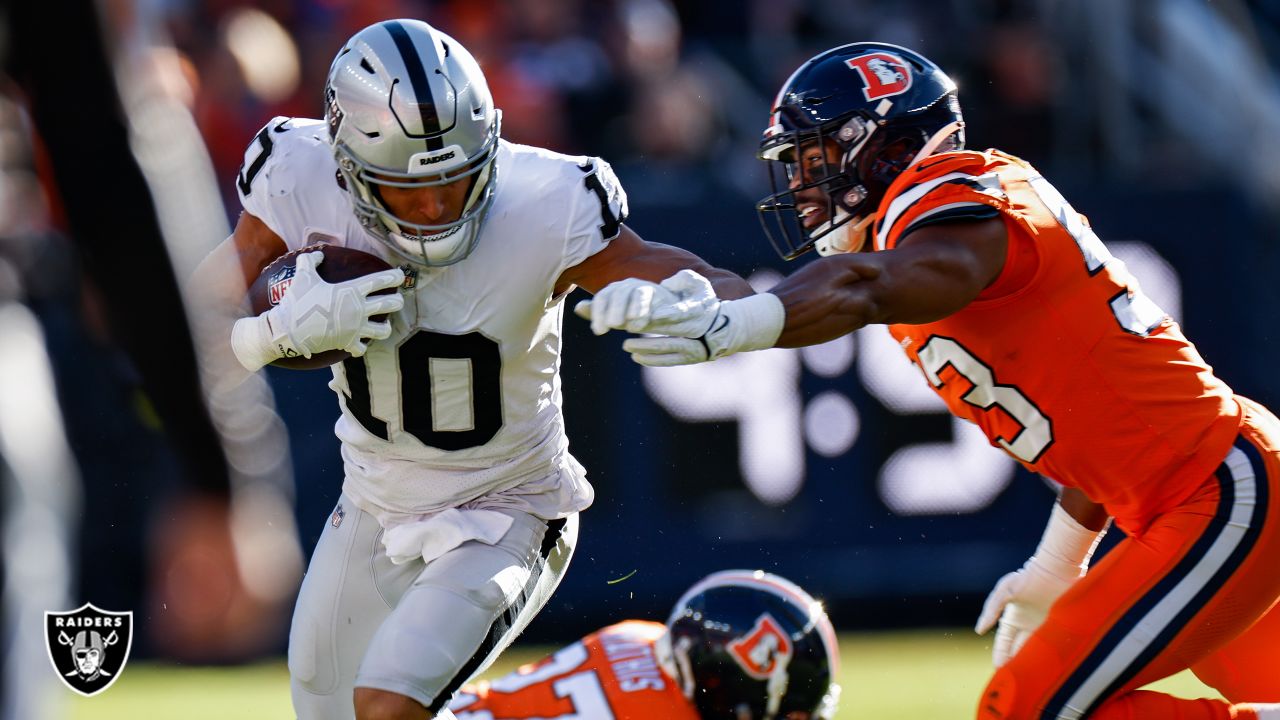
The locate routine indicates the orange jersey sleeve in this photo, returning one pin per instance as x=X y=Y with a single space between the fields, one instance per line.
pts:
x=1063 y=362
x=612 y=674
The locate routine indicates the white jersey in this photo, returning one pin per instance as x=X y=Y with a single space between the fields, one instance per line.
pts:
x=462 y=404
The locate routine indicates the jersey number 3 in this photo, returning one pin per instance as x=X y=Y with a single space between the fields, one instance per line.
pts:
x=450 y=390
x=1036 y=435
x=1135 y=313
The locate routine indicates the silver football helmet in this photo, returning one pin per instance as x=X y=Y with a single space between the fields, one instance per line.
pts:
x=407 y=106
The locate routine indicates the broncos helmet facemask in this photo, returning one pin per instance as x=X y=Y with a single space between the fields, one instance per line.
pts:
x=749 y=645
x=882 y=108
x=407 y=106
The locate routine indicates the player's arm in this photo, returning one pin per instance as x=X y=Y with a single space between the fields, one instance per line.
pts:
x=313 y=316
x=1089 y=514
x=932 y=273
x=629 y=256
x=1021 y=599
x=227 y=271
x=626 y=279
x=220 y=281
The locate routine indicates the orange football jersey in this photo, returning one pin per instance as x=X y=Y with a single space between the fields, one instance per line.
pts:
x=611 y=674
x=1062 y=361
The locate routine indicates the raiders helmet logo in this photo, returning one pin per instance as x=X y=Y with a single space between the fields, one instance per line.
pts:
x=88 y=646
x=763 y=649
x=883 y=75
x=333 y=112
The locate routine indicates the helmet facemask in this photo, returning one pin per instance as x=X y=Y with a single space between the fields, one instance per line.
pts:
x=433 y=245
x=838 y=182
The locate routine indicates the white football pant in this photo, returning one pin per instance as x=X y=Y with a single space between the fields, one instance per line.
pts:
x=417 y=629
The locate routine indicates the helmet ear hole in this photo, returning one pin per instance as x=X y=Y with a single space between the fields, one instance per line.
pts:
x=882 y=165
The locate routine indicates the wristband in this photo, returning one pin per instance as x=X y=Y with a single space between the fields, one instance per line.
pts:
x=255 y=345
x=1066 y=545
x=751 y=323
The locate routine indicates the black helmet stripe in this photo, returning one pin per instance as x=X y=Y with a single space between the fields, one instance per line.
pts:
x=418 y=80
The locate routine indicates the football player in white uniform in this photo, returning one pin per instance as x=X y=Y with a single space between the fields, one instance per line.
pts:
x=459 y=506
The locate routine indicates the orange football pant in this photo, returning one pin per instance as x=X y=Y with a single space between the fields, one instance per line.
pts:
x=1195 y=590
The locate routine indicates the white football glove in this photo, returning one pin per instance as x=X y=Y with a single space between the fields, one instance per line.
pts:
x=1021 y=599
x=315 y=316
x=683 y=305
x=684 y=308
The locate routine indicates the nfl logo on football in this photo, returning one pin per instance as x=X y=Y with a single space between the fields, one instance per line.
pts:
x=279 y=283
x=88 y=646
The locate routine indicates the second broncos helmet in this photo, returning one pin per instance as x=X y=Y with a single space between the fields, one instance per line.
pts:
x=884 y=106
x=749 y=645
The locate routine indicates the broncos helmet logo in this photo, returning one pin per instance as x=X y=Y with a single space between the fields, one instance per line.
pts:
x=763 y=649
x=883 y=75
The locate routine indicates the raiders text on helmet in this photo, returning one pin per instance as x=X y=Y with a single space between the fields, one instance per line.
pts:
x=407 y=106
x=746 y=644
x=884 y=107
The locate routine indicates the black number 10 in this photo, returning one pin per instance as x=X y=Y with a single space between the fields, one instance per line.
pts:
x=418 y=400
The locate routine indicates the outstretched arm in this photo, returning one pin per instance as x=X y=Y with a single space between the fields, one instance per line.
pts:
x=932 y=273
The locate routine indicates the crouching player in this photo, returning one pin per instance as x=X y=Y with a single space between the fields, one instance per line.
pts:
x=739 y=644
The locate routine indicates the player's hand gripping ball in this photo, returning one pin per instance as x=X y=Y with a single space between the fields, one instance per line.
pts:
x=339 y=264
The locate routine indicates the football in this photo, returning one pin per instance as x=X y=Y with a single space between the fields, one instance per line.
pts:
x=339 y=264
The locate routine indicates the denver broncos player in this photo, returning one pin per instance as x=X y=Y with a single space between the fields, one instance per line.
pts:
x=459 y=506
x=1026 y=325
x=746 y=645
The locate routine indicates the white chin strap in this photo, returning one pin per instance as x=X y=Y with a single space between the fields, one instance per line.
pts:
x=776 y=686
x=946 y=131
x=848 y=237
x=442 y=248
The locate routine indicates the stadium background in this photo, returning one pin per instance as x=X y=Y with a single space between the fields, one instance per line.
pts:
x=832 y=466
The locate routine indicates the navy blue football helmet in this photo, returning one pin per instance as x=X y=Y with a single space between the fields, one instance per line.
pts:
x=749 y=645
x=876 y=106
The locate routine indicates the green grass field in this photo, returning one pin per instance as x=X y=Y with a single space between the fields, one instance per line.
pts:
x=926 y=674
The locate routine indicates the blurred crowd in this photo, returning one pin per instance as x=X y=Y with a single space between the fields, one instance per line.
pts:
x=673 y=92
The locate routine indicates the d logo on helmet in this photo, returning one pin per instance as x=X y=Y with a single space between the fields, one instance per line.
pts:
x=760 y=651
x=883 y=75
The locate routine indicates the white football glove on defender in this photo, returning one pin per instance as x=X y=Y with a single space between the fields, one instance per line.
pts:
x=315 y=316
x=698 y=325
x=1021 y=599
